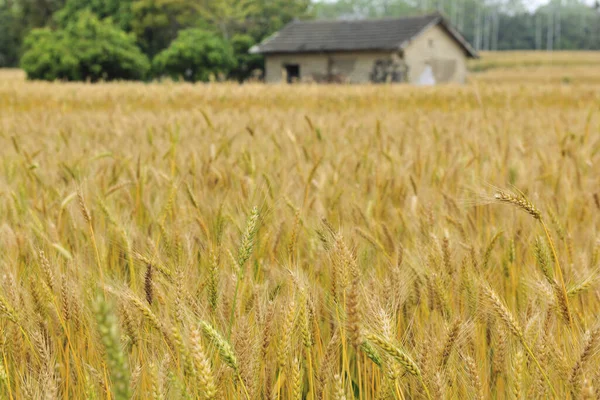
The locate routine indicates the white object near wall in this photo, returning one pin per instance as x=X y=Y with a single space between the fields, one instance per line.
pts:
x=426 y=78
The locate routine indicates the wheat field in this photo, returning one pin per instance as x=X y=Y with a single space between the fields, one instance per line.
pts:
x=177 y=241
x=519 y=67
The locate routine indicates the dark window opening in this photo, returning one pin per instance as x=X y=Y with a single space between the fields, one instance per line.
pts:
x=292 y=71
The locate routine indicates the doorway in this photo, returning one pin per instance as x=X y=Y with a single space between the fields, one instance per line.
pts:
x=292 y=72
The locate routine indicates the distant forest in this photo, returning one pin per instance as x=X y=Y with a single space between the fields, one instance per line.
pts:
x=153 y=25
x=493 y=24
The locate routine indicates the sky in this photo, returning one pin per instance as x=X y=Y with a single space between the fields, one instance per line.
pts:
x=533 y=4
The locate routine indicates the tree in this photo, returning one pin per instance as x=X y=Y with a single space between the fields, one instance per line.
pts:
x=17 y=17
x=271 y=15
x=9 y=35
x=86 y=49
x=490 y=24
x=246 y=62
x=36 y=13
x=226 y=15
x=156 y=22
x=118 y=10
x=257 y=18
x=195 y=55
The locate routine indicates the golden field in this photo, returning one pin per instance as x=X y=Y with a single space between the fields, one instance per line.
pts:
x=526 y=67
x=177 y=241
x=536 y=58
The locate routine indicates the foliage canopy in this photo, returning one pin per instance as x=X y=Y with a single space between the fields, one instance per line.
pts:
x=87 y=48
x=246 y=63
x=195 y=55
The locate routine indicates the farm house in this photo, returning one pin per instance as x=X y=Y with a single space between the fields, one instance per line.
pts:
x=424 y=49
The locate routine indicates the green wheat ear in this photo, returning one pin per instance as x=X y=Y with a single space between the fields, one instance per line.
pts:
x=225 y=349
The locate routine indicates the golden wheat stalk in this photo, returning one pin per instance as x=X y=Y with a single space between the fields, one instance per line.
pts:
x=513 y=326
x=524 y=204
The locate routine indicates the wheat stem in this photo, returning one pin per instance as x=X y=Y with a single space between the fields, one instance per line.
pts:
x=560 y=275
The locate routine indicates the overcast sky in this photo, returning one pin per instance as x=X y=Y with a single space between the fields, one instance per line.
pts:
x=536 y=3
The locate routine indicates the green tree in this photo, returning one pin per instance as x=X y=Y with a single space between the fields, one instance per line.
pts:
x=195 y=55
x=272 y=15
x=9 y=34
x=86 y=49
x=118 y=10
x=258 y=18
x=156 y=22
x=17 y=17
x=246 y=62
x=36 y=13
x=226 y=16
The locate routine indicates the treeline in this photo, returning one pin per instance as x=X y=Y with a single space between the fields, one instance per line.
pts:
x=493 y=24
x=199 y=40
x=196 y=40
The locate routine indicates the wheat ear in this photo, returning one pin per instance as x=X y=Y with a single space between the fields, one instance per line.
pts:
x=523 y=203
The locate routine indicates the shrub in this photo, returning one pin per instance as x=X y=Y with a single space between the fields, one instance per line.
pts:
x=86 y=49
x=195 y=55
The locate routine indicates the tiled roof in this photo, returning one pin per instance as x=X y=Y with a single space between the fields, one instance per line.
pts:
x=353 y=35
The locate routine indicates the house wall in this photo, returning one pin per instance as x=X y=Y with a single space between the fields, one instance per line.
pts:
x=433 y=47
x=349 y=67
x=436 y=48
